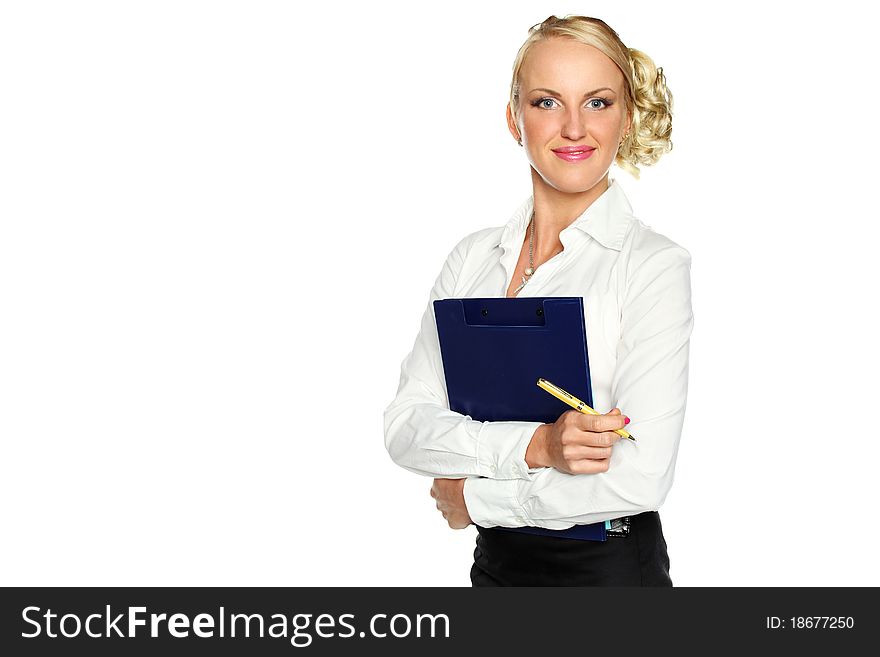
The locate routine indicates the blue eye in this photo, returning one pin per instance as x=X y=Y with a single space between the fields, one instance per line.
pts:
x=540 y=102
x=590 y=103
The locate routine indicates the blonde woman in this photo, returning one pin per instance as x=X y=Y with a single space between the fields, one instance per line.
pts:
x=580 y=101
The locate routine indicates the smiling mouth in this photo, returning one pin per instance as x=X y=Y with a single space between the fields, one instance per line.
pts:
x=577 y=151
x=574 y=155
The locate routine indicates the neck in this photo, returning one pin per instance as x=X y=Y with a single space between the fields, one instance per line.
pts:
x=555 y=211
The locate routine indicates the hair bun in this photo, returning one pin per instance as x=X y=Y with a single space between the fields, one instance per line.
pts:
x=651 y=133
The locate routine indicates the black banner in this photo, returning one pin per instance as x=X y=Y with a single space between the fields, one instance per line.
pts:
x=337 y=621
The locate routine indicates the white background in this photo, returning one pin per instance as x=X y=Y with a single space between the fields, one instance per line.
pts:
x=214 y=214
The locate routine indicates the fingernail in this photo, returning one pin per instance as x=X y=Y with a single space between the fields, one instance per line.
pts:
x=626 y=421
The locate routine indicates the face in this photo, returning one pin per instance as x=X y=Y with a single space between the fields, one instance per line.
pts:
x=571 y=95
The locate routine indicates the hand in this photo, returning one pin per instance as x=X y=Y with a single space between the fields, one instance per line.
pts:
x=449 y=494
x=576 y=443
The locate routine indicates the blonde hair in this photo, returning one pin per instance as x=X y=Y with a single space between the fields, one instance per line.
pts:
x=648 y=99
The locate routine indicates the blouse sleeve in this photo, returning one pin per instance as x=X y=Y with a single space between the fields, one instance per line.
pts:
x=649 y=386
x=421 y=433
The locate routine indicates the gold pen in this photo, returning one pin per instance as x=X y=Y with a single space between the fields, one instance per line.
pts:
x=577 y=404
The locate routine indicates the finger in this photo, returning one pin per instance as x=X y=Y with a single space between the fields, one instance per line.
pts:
x=573 y=453
x=616 y=411
x=590 y=466
x=603 y=439
x=590 y=439
x=599 y=423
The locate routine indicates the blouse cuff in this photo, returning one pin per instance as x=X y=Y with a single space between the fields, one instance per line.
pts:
x=493 y=502
x=501 y=449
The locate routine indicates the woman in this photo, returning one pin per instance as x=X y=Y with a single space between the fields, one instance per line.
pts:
x=580 y=100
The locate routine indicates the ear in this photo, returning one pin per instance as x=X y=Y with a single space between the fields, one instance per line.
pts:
x=511 y=124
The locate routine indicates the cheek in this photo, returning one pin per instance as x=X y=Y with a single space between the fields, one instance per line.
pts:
x=607 y=127
x=539 y=125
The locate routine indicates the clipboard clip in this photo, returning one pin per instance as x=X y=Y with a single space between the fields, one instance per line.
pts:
x=523 y=311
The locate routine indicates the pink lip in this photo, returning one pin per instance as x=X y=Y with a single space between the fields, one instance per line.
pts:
x=573 y=153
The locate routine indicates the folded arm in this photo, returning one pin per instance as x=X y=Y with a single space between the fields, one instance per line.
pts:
x=423 y=435
x=649 y=386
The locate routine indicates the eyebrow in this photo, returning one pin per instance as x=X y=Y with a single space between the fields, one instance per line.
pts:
x=589 y=93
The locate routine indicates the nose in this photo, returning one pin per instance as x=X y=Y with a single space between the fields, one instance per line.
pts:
x=573 y=124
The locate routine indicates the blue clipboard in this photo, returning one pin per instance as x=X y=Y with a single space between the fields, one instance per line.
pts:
x=495 y=349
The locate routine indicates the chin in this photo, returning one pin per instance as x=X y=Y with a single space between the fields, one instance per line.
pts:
x=574 y=185
x=575 y=182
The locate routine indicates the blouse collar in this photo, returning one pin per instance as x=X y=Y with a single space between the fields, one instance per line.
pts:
x=606 y=220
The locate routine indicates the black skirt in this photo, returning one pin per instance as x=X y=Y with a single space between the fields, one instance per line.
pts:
x=506 y=558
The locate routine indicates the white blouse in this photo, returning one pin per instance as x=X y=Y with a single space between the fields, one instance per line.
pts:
x=636 y=288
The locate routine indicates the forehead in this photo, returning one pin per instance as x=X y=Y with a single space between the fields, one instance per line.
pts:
x=568 y=65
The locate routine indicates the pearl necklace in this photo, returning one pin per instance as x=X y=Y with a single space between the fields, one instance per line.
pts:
x=531 y=268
